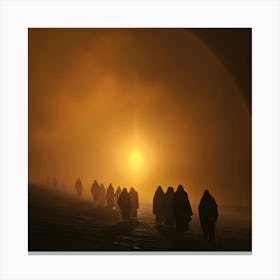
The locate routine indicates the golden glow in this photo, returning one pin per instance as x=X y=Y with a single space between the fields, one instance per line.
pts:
x=142 y=118
x=136 y=160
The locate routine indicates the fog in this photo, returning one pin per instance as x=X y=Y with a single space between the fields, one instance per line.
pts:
x=95 y=96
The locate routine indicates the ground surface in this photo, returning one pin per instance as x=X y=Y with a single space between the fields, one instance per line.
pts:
x=60 y=222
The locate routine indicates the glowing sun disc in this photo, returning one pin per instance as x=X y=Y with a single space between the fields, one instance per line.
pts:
x=136 y=160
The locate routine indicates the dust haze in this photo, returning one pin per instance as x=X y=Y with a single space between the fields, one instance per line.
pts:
x=97 y=95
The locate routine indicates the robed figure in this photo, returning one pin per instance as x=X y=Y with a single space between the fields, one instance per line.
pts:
x=95 y=191
x=158 y=205
x=102 y=198
x=169 y=216
x=125 y=204
x=182 y=209
x=79 y=187
x=110 y=197
x=134 y=202
x=117 y=195
x=208 y=215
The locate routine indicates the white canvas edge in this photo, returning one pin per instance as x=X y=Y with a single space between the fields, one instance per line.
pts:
x=17 y=16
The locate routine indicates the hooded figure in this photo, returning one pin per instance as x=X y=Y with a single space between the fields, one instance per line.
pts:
x=158 y=205
x=208 y=215
x=79 y=187
x=169 y=218
x=102 y=198
x=95 y=191
x=182 y=209
x=134 y=202
x=117 y=195
x=110 y=197
x=125 y=204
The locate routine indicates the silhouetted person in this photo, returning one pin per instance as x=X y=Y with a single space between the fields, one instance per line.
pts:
x=79 y=187
x=117 y=195
x=125 y=204
x=95 y=191
x=169 y=217
x=182 y=209
x=102 y=198
x=158 y=205
x=54 y=182
x=110 y=197
x=208 y=215
x=134 y=202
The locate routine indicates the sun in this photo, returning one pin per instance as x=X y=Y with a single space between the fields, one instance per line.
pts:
x=136 y=160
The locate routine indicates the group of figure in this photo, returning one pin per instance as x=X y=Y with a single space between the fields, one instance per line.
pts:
x=99 y=195
x=124 y=202
x=174 y=208
x=128 y=203
x=170 y=208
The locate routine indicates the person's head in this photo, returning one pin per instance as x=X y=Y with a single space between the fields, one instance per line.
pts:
x=180 y=189
x=95 y=183
x=124 y=190
x=206 y=193
x=170 y=190
x=159 y=188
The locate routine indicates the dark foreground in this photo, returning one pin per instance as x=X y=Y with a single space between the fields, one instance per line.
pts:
x=60 y=222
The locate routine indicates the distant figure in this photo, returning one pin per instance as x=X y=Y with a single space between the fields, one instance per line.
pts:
x=134 y=202
x=117 y=195
x=182 y=209
x=169 y=217
x=79 y=187
x=102 y=198
x=54 y=182
x=95 y=191
x=208 y=214
x=110 y=196
x=125 y=204
x=158 y=205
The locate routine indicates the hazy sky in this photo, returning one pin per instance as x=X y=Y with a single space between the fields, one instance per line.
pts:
x=137 y=107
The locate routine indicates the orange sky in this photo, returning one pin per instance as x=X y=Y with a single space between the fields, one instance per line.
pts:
x=97 y=95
